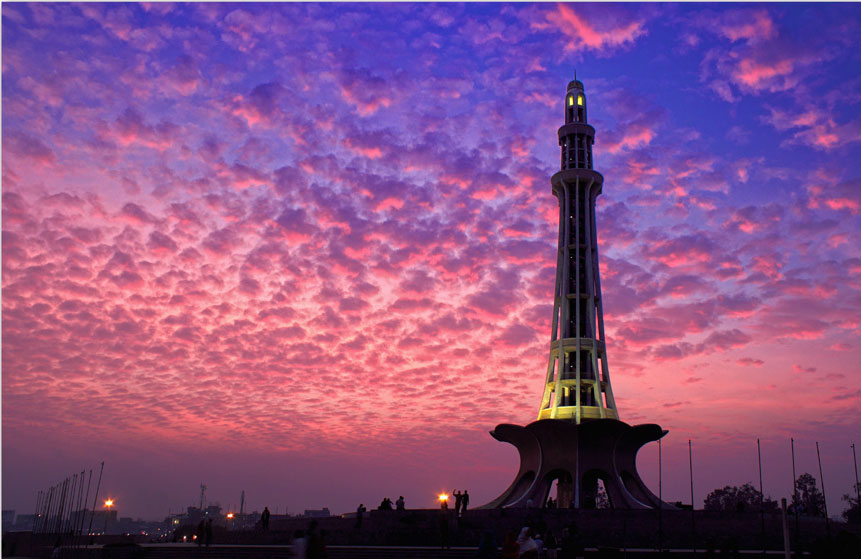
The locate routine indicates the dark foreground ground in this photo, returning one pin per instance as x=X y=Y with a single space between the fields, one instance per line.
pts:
x=418 y=534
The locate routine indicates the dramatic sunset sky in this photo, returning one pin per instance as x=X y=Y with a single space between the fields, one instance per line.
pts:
x=308 y=250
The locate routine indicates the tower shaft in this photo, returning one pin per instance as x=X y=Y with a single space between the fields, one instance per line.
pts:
x=578 y=379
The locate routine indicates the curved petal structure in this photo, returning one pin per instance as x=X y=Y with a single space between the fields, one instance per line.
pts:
x=577 y=456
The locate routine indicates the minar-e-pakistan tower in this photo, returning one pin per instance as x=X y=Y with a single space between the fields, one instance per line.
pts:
x=578 y=438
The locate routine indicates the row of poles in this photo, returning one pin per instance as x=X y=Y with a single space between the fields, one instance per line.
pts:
x=761 y=494
x=61 y=509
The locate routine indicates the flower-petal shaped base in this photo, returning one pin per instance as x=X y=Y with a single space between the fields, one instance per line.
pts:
x=556 y=450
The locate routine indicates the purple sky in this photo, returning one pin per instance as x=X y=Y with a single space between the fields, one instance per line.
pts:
x=308 y=250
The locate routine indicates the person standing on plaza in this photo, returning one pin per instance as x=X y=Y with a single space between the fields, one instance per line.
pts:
x=464 y=501
x=300 y=544
x=316 y=546
x=458 y=501
x=264 y=519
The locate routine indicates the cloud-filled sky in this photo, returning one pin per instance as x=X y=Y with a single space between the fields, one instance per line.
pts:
x=309 y=250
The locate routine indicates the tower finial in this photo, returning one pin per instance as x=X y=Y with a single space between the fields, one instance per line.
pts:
x=575 y=73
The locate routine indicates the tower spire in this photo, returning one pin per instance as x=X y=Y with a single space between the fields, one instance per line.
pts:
x=578 y=378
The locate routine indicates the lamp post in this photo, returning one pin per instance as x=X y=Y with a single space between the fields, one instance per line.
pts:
x=108 y=503
x=443 y=501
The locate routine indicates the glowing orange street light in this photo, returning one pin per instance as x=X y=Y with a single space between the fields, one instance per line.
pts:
x=229 y=515
x=443 y=501
x=108 y=504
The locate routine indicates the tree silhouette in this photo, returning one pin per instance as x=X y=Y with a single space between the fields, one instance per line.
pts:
x=732 y=498
x=809 y=499
x=853 y=513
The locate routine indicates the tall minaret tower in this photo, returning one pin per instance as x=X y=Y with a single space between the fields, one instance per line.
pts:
x=578 y=439
x=578 y=380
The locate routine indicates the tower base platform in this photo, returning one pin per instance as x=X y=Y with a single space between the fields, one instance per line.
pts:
x=577 y=456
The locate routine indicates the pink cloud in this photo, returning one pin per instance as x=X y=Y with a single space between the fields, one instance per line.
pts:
x=768 y=59
x=371 y=152
x=633 y=137
x=27 y=146
x=757 y=74
x=752 y=27
x=750 y=361
x=585 y=34
x=366 y=92
x=843 y=196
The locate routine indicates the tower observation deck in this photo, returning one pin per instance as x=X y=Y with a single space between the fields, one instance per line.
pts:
x=578 y=379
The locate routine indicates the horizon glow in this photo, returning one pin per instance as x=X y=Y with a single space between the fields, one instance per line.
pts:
x=308 y=250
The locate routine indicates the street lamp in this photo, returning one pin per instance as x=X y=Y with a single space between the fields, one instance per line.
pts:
x=108 y=503
x=443 y=501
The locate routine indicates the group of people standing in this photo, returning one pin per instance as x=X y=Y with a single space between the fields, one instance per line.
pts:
x=387 y=504
x=530 y=543
x=461 y=501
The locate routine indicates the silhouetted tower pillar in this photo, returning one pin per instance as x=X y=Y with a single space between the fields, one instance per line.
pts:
x=578 y=379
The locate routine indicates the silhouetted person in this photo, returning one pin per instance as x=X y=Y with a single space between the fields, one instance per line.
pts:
x=386 y=504
x=201 y=532
x=300 y=545
x=528 y=546
x=443 y=505
x=464 y=501
x=399 y=504
x=208 y=532
x=264 y=519
x=316 y=547
x=360 y=512
x=458 y=501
